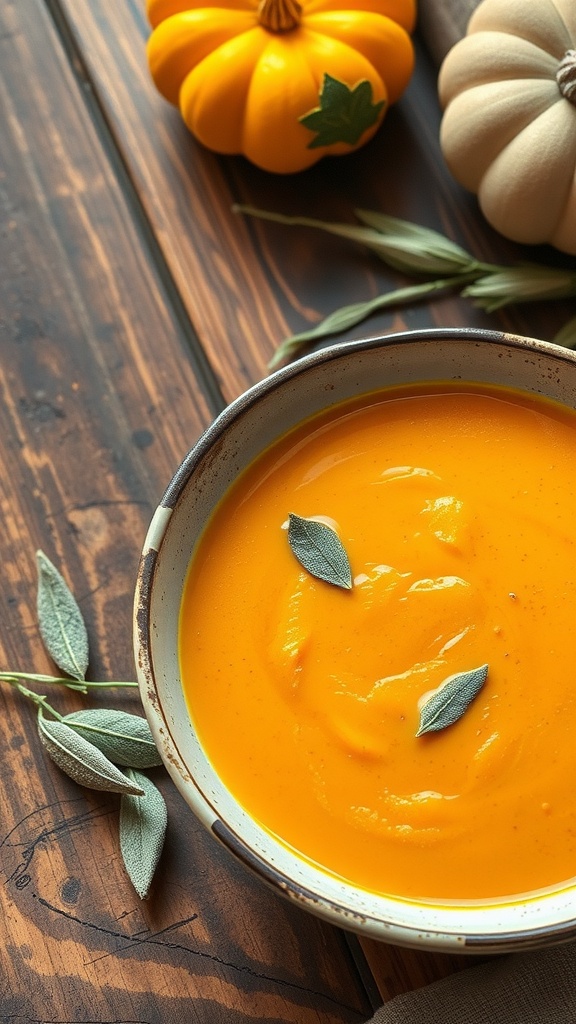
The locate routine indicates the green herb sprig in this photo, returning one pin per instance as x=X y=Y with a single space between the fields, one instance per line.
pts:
x=319 y=550
x=450 y=700
x=100 y=748
x=415 y=250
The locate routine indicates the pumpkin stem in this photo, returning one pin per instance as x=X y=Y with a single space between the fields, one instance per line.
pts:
x=566 y=76
x=279 y=15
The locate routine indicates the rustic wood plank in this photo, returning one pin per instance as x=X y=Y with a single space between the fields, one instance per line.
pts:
x=102 y=393
x=243 y=285
x=185 y=193
x=246 y=284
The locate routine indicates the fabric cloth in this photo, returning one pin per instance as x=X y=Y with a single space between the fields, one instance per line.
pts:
x=521 y=988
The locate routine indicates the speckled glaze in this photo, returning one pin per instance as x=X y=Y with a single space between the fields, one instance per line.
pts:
x=247 y=426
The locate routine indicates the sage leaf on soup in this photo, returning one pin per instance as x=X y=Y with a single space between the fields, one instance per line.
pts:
x=452 y=698
x=124 y=738
x=143 y=822
x=81 y=760
x=319 y=550
x=60 y=620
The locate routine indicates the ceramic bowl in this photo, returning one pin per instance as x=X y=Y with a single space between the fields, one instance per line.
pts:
x=236 y=437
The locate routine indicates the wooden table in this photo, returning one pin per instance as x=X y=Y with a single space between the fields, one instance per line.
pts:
x=134 y=304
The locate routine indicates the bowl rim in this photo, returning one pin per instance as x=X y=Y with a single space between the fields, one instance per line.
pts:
x=331 y=353
x=456 y=940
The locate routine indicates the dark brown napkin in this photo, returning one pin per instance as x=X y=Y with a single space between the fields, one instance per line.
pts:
x=521 y=988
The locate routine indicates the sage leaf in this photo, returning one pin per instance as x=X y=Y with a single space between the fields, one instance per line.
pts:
x=414 y=249
x=81 y=760
x=401 y=244
x=319 y=550
x=348 y=316
x=125 y=739
x=449 y=702
x=528 y=282
x=60 y=620
x=143 y=822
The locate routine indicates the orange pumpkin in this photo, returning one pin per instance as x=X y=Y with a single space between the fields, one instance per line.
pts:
x=282 y=82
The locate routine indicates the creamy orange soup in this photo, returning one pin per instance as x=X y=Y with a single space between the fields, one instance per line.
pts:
x=456 y=505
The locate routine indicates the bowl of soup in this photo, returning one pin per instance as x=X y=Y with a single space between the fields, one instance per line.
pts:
x=353 y=636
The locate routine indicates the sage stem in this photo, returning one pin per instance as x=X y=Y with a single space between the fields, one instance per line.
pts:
x=349 y=316
x=38 y=699
x=11 y=677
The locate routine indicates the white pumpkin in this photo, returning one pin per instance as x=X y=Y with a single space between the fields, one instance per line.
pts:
x=508 y=131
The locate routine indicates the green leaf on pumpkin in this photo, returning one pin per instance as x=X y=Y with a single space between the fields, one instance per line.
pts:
x=344 y=114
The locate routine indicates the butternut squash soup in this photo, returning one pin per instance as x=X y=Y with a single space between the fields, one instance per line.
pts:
x=411 y=729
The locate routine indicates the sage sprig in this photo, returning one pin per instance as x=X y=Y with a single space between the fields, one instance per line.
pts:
x=81 y=760
x=413 y=249
x=143 y=822
x=525 y=283
x=60 y=620
x=348 y=316
x=125 y=739
x=102 y=749
x=319 y=550
x=402 y=245
x=452 y=698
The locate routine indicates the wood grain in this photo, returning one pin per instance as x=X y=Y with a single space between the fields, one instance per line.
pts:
x=133 y=305
x=246 y=284
x=397 y=970
x=101 y=396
